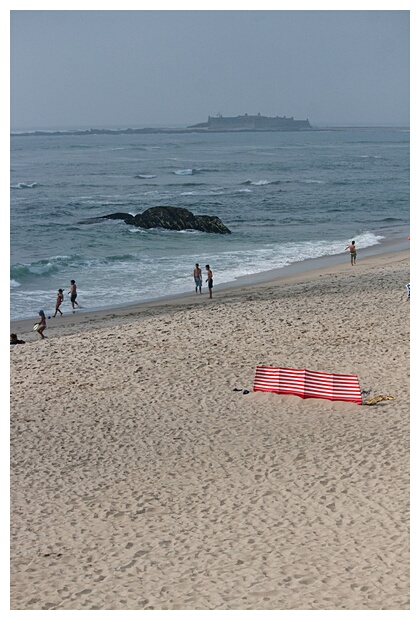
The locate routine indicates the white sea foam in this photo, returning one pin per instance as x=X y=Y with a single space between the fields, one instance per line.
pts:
x=186 y=172
x=24 y=185
x=260 y=182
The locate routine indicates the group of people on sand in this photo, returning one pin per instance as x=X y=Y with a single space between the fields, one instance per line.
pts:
x=60 y=298
x=41 y=324
x=198 y=279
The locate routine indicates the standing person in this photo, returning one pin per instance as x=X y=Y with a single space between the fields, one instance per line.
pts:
x=210 y=280
x=42 y=324
x=73 y=293
x=198 y=278
x=60 y=299
x=353 y=253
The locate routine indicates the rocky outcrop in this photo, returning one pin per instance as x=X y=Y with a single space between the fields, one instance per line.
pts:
x=171 y=218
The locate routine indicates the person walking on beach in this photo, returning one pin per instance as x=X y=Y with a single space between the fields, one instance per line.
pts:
x=73 y=293
x=198 y=278
x=353 y=253
x=60 y=299
x=210 y=281
x=42 y=324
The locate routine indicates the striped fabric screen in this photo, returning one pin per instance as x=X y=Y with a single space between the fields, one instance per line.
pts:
x=307 y=383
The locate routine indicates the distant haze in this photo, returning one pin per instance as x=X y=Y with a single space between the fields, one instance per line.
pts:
x=119 y=69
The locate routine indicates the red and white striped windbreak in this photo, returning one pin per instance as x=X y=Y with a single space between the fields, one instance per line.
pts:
x=307 y=383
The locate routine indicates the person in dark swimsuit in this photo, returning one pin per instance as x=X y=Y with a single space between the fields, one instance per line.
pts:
x=73 y=293
x=60 y=299
x=210 y=280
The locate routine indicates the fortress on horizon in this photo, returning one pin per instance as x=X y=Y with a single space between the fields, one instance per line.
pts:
x=252 y=122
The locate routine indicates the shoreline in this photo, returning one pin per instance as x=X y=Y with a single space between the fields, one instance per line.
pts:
x=302 y=271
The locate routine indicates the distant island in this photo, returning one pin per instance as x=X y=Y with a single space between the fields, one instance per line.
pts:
x=250 y=122
x=214 y=124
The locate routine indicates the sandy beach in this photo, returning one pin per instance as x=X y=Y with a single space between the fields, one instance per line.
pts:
x=140 y=479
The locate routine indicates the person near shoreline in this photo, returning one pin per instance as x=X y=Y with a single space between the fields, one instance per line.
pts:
x=353 y=253
x=59 y=301
x=73 y=294
x=15 y=340
x=198 y=278
x=42 y=324
x=210 y=281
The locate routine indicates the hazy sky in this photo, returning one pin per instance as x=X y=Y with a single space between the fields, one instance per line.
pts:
x=175 y=68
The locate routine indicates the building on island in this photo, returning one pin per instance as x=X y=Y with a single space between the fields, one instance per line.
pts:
x=252 y=122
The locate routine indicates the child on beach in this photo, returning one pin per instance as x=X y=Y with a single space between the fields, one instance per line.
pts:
x=15 y=340
x=42 y=324
x=60 y=299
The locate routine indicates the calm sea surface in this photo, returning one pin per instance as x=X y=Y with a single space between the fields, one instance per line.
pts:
x=285 y=196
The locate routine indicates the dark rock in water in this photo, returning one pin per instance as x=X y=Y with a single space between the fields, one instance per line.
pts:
x=127 y=217
x=171 y=218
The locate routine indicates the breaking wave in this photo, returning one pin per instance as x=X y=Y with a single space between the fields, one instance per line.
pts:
x=24 y=185
x=187 y=172
x=262 y=182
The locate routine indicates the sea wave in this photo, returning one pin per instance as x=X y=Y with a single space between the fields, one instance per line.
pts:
x=23 y=271
x=261 y=182
x=216 y=191
x=249 y=262
x=187 y=171
x=25 y=185
x=164 y=231
x=391 y=219
x=145 y=176
x=186 y=184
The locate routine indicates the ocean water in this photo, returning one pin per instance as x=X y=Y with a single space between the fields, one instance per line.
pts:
x=285 y=196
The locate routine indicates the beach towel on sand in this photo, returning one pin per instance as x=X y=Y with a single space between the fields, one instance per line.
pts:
x=307 y=383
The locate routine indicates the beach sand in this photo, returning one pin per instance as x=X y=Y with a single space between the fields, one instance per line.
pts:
x=141 y=480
